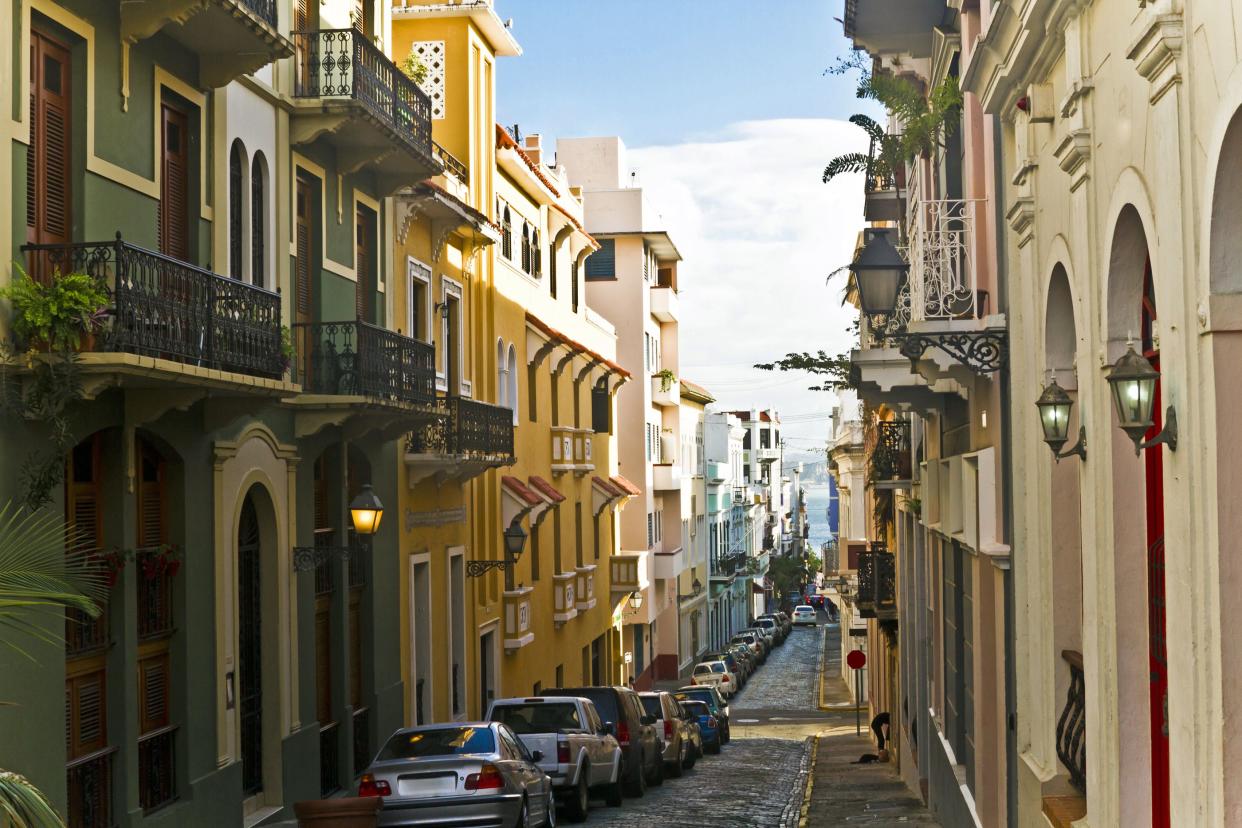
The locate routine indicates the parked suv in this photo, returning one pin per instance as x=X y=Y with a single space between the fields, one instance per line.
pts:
x=671 y=730
x=579 y=752
x=641 y=761
x=715 y=703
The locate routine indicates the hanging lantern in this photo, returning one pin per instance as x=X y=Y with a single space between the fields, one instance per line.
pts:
x=1133 y=381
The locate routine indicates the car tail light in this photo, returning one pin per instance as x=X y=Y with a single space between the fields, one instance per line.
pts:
x=623 y=734
x=368 y=786
x=724 y=679
x=693 y=680
x=711 y=721
x=668 y=730
x=562 y=753
x=488 y=778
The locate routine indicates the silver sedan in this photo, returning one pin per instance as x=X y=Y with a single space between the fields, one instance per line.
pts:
x=476 y=774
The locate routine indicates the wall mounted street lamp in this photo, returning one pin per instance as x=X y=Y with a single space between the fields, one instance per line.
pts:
x=1133 y=381
x=443 y=309
x=880 y=272
x=366 y=511
x=515 y=543
x=636 y=600
x=1054 y=411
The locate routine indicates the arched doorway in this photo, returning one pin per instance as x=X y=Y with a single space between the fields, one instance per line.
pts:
x=250 y=646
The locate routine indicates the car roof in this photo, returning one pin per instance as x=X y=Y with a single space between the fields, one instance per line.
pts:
x=710 y=661
x=650 y=693
x=540 y=700
x=444 y=726
x=804 y=607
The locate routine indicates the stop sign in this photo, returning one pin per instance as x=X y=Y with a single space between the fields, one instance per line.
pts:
x=856 y=659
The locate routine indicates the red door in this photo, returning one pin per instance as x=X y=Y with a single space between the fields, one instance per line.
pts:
x=1153 y=460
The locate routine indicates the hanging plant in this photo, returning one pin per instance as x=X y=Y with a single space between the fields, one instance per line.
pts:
x=287 y=350
x=666 y=379
x=111 y=562
x=157 y=561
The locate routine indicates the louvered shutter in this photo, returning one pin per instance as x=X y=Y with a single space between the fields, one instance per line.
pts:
x=601 y=411
x=151 y=502
x=235 y=211
x=258 y=226
x=153 y=678
x=86 y=699
x=303 y=264
x=301 y=15
x=174 y=185
x=48 y=213
x=602 y=263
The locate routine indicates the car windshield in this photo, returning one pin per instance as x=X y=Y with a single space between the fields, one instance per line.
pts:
x=605 y=700
x=700 y=669
x=652 y=705
x=537 y=717
x=704 y=695
x=445 y=741
x=766 y=622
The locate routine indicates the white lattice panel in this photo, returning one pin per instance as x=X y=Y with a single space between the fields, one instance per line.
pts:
x=431 y=53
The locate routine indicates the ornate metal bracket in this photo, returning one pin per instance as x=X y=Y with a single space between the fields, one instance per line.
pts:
x=1079 y=449
x=474 y=569
x=981 y=351
x=306 y=558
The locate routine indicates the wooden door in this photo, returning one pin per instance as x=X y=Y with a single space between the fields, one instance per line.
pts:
x=303 y=286
x=364 y=250
x=174 y=218
x=49 y=213
x=1153 y=461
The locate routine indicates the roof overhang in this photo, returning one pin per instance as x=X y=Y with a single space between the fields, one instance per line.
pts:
x=895 y=26
x=659 y=240
x=481 y=14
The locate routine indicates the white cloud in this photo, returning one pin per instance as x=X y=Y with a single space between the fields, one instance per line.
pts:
x=759 y=233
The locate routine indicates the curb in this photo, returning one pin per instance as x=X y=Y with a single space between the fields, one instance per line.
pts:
x=810 y=784
x=823 y=654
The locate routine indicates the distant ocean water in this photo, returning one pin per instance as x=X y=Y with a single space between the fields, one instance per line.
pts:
x=817 y=498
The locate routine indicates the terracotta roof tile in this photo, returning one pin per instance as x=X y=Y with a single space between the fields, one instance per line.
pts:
x=505 y=140
x=546 y=489
x=577 y=346
x=625 y=486
x=605 y=487
x=520 y=489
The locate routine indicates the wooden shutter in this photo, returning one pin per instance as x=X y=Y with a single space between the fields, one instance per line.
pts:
x=578 y=533
x=153 y=692
x=601 y=410
x=235 y=211
x=48 y=204
x=302 y=267
x=152 y=529
x=602 y=263
x=85 y=713
x=365 y=287
x=174 y=215
x=258 y=225
x=83 y=492
x=358 y=15
x=301 y=15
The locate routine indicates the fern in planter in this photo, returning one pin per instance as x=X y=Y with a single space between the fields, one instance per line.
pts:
x=666 y=379
x=56 y=315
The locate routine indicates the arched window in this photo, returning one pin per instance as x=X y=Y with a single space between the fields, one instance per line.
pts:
x=502 y=375
x=526 y=257
x=511 y=367
x=258 y=220
x=536 y=254
x=237 y=164
x=573 y=285
x=506 y=234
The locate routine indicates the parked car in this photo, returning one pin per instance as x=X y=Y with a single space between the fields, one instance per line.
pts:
x=816 y=601
x=674 y=739
x=620 y=707
x=743 y=654
x=693 y=732
x=778 y=634
x=709 y=725
x=766 y=638
x=754 y=642
x=580 y=754
x=716 y=702
x=804 y=614
x=782 y=621
x=735 y=666
x=715 y=674
x=477 y=773
x=786 y=621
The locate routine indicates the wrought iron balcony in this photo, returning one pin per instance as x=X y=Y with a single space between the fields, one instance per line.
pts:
x=165 y=308
x=452 y=165
x=1072 y=725
x=463 y=439
x=375 y=116
x=877 y=583
x=157 y=769
x=890 y=455
x=883 y=186
x=360 y=359
x=89 y=789
x=942 y=283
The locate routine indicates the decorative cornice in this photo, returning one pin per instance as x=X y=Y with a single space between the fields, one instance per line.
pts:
x=1157 y=52
x=1021 y=218
x=1079 y=90
x=1072 y=154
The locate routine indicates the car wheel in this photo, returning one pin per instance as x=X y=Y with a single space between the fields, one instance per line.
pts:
x=674 y=771
x=524 y=815
x=637 y=786
x=714 y=747
x=549 y=819
x=657 y=775
x=692 y=756
x=613 y=793
x=579 y=804
x=725 y=736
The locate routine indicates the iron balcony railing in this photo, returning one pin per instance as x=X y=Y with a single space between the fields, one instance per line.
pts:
x=155 y=607
x=466 y=428
x=265 y=10
x=89 y=789
x=329 y=759
x=360 y=359
x=84 y=634
x=157 y=769
x=1072 y=725
x=452 y=164
x=877 y=582
x=942 y=282
x=166 y=308
x=890 y=455
x=345 y=64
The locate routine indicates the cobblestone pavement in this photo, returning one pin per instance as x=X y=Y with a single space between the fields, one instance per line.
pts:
x=790 y=679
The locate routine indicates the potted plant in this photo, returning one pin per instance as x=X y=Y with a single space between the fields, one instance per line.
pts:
x=157 y=561
x=287 y=350
x=666 y=379
x=60 y=314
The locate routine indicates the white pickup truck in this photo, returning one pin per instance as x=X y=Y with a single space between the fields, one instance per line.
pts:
x=580 y=752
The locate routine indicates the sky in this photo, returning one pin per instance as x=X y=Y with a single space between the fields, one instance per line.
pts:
x=729 y=117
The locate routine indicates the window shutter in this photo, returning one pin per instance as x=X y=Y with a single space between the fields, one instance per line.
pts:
x=174 y=185
x=151 y=524
x=48 y=218
x=258 y=225
x=87 y=724
x=602 y=263
x=601 y=410
x=301 y=15
x=153 y=676
x=235 y=211
x=303 y=274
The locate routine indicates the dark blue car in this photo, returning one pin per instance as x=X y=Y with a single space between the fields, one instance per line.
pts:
x=709 y=726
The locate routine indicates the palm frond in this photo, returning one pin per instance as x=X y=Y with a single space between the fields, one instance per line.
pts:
x=851 y=162
x=24 y=806
x=45 y=568
x=868 y=126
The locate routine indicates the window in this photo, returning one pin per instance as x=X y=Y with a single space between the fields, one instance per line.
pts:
x=573 y=286
x=237 y=164
x=258 y=220
x=526 y=248
x=452 y=349
x=506 y=233
x=511 y=364
x=602 y=264
x=534 y=553
x=552 y=287
x=601 y=408
x=502 y=378
x=419 y=310
x=578 y=533
x=650 y=530
x=646 y=263
x=536 y=254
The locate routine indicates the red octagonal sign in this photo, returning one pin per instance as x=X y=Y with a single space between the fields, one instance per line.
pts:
x=856 y=659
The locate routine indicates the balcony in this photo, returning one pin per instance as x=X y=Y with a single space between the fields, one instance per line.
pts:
x=768 y=455
x=629 y=571
x=877 y=583
x=666 y=477
x=180 y=320
x=717 y=473
x=665 y=391
x=890 y=463
x=563 y=444
x=517 y=618
x=665 y=306
x=1072 y=724
x=670 y=564
x=89 y=789
x=350 y=95
x=358 y=359
x=883 y=187
x=584 y=595
x=157 y=769
x=464 y=438
x=564 y=597
x=230 y=37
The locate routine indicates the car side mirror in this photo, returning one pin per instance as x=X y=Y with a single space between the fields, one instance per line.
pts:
x=536 y=755
x=606 y=729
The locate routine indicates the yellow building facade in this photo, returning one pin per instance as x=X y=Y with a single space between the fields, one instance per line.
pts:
x=490 y=254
